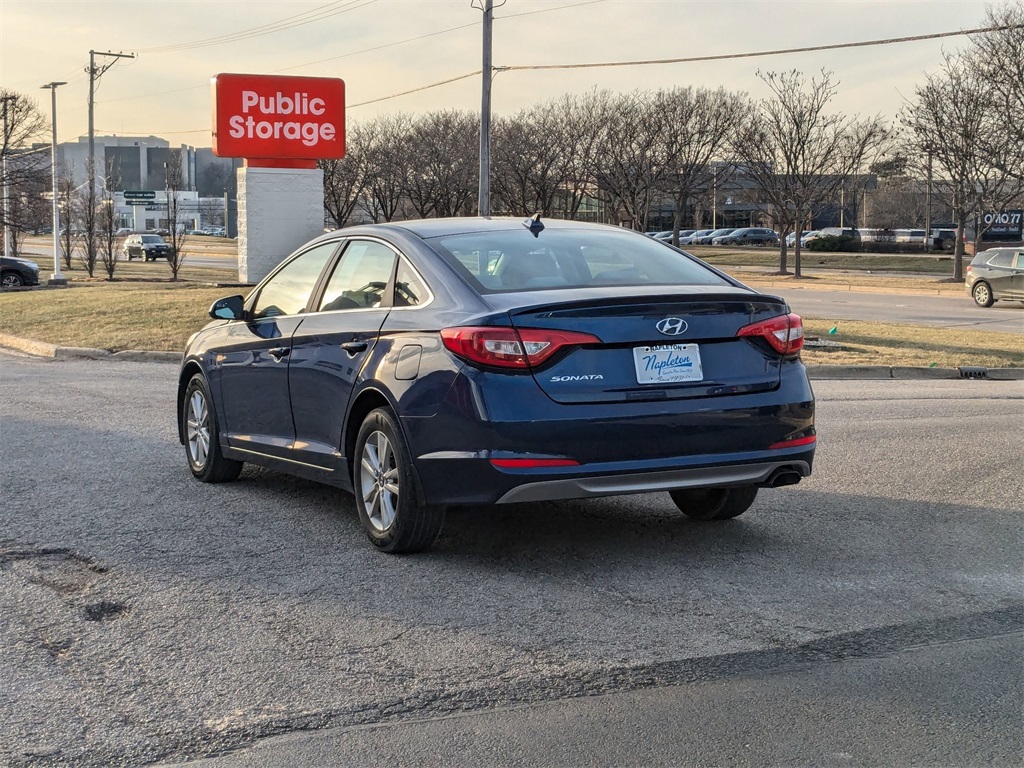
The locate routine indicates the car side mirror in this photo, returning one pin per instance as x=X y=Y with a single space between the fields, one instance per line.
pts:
x=228 y=308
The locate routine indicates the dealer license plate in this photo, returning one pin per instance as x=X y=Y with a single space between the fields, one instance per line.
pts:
x=667 y=363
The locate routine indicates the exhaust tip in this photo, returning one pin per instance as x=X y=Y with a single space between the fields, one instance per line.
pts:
x=781 y=477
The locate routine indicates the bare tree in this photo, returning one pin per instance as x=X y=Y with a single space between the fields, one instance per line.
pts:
x=67 y=200
x=951 y=121
x=106 y=224
x=798 y=154
x=88 y=238
x=388 y=164
x=175 y=226
x=24 y=169
x=528 y=172
x=630 y=166
x=443 y=171
x=999 y=57
x=211 y=210
x=700 y=122
x=344 y=179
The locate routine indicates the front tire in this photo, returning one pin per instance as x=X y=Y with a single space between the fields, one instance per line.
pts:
x=982 y=294
x=714 y=503
x=385 y=489
x=202 y=440
x=11 y=280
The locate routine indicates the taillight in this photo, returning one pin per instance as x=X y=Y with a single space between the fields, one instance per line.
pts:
x=794 y=442
x=784 y=333
x=506 y=347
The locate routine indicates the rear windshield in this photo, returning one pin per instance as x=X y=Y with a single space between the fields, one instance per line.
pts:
x=510 y=260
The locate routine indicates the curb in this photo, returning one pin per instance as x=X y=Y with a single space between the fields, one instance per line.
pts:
x=814 y=372
x=44 y=349
x=883 y=372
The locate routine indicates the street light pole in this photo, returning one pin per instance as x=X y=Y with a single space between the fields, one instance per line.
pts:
x=56 y=278
x=7 y=196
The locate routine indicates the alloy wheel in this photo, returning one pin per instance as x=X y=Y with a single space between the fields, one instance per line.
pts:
x=11 y=280
x=378 y=479
x=198 y=429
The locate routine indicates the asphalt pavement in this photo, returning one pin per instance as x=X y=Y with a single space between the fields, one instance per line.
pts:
x=148 y=618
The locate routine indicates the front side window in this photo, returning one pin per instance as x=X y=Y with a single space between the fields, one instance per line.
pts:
x=287 y=292
x=515 y=260
x=360 y=278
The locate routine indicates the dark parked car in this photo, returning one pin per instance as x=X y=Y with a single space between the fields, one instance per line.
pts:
x=748 y=236
x=710 y=236
x=995 y=274
x=693 y=237
x=468 y=362
x=15 y=273
x=148 y=247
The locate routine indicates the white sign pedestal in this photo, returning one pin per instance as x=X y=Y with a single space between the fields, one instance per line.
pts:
x=279 y=209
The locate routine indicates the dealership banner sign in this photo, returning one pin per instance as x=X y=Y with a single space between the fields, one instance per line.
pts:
x=268 y=117
x=1002 y=226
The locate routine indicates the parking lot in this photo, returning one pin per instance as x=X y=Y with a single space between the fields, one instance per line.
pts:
x=147 y=617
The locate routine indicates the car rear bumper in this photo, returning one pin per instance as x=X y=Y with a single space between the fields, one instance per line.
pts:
x=607 y=449
x=473 y=480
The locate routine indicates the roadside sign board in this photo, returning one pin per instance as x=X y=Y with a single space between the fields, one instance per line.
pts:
x=279 y=118
x=1002 y=226
x=139 y=196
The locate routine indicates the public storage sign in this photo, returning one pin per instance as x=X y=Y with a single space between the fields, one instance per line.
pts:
x=273 y=117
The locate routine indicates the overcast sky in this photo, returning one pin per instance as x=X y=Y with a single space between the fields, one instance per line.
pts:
x=167 y=93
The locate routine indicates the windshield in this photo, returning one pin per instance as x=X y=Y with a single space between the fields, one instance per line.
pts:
x=510 y=260
x=152 y=239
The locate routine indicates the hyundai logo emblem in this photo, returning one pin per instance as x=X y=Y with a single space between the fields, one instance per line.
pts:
x=672 y=326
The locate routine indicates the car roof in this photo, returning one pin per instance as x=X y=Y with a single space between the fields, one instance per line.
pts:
x=428 y=228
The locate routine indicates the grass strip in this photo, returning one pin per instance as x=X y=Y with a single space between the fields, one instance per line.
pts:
x=161 y=316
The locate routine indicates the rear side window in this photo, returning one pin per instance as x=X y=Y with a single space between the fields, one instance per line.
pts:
x=1001 y=259
x=361 y=277
x=511 y=260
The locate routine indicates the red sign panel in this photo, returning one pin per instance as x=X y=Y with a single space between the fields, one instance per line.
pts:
x=273 y=117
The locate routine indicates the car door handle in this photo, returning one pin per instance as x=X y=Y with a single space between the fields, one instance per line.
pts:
x=278 y=353
x=352 y=347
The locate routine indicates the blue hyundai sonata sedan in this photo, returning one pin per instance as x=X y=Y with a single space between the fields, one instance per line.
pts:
x=451 y=362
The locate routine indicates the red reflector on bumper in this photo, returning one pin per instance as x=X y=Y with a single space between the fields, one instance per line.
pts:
x=795 y=442
x=533 y=463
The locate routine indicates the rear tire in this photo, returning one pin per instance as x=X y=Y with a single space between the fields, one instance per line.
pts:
x=202 y=439
x=982 y=294
x=385 y=489
x=714 y=503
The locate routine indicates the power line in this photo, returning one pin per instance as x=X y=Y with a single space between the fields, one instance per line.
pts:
x=434 y=34
x=416 y=90
x=381 y=47
x=753 y=54
x=692 y=59
x=290 y=22
x=364 y=50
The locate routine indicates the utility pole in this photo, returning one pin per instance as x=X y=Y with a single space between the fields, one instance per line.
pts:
x=57 y=278
x=7 y=196
x=484 y=200
x=94 y=74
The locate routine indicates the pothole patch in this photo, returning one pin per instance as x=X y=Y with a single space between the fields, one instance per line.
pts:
x=62 y=570
x=104 y=610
